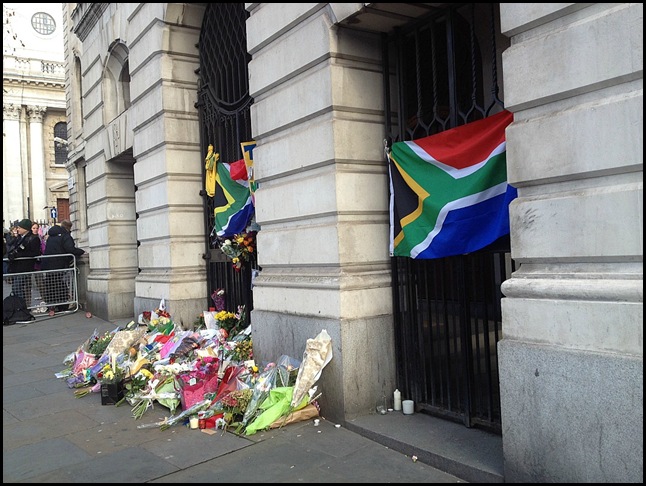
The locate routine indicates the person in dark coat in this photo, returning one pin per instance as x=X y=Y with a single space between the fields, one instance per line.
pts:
x=21 y=254
x=59 y=242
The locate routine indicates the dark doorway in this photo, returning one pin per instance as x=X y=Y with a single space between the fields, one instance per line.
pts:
x=224 y=106
x=442 y=72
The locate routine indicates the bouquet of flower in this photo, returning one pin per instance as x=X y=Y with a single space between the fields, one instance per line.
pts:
x=201 y=380
x=227 y=321
x=218 y=299
x=239 y=248
x=161 y=324
x=160 y=387
x=100 y=343
x=233 y=406
x=242 y=349
x=111 y=373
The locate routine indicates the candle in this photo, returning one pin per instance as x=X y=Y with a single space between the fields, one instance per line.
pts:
x=409 y=407
x=397 y=400
x=194 y=421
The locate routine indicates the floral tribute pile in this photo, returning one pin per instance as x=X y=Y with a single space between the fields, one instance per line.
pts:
x=207 y=372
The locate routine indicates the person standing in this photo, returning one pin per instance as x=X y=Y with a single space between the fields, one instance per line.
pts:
x=38 y=276
x=6 y=236
x=22 y=253
x=59 y=242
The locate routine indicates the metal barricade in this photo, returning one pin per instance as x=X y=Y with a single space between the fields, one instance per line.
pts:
x=46 y=292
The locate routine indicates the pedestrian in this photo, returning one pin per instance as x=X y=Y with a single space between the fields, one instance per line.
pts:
x=38 y=275
x=5 y=236
x=59 y=242
x=10 y=237
x=22 y=253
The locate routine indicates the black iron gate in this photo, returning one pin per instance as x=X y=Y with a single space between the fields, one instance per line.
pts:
x=441 y=73
x=224 y=106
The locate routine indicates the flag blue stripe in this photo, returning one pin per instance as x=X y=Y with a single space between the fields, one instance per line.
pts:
x=237 y=222
x=469 y=229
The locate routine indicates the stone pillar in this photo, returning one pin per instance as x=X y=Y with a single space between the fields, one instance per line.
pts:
x=571 y=357
x=13 y=196
x=322 y=203
x=39 y=190
x=169 y=166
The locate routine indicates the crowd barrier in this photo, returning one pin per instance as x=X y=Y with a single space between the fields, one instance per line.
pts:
x=45 y=291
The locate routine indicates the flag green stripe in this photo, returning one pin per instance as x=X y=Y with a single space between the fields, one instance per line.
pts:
x=435 y=188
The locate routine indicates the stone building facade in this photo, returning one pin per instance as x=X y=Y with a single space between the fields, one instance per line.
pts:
x=572 y=353
x=34 y=175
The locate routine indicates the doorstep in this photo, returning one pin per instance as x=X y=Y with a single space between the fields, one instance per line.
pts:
x=471 y=454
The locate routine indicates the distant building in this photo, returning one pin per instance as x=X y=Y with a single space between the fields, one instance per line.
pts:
x=34 y=113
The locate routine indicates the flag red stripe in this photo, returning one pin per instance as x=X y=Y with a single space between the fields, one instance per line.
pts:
x=468 y=144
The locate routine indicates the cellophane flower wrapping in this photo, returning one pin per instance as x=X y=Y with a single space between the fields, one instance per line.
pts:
x=263 y=384
x=83 y=361
x=275 y=406
x=173 y=343
x=195 y=384
x=318 y=353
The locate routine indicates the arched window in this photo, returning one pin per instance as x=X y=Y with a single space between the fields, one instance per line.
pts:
x=60 y=149
x=78 y=78
x=116 y=82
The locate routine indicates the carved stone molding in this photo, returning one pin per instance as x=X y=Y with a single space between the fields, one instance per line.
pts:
x=11 y=112
x=35 y=113
x=85 y=16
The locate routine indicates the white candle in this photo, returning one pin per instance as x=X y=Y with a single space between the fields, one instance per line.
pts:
x=409 y=407
x=397 y=400
x=194 y=421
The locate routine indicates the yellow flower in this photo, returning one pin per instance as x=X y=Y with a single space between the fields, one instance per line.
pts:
x=146 y=373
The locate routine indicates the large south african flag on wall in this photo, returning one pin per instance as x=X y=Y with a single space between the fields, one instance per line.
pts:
x=448 y=192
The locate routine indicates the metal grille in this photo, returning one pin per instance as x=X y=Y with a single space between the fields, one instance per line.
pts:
x=224 y=106
x=441 y=73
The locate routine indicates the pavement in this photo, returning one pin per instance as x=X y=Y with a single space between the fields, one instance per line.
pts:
x=50 y=436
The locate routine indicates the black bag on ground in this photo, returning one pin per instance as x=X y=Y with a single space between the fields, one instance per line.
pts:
x=14 y=309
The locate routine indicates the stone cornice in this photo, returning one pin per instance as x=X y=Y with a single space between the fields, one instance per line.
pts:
x=85 y=16
x=40 y=83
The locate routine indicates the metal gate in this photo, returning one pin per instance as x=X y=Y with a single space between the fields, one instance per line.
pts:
x=440 y=73
x=224 y=106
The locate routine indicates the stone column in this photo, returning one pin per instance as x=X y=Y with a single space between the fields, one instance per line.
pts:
x=13 y=200
x=321 y=203
x=39 y=190
x=571 y=358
